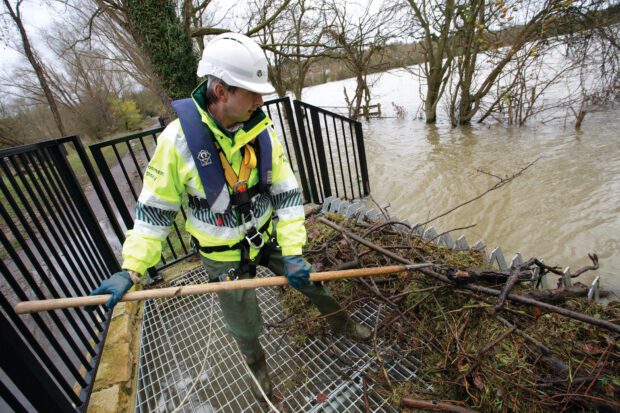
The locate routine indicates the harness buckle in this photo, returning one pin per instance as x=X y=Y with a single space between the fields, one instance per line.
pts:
x=231 y=275
x=240 y=186
x=251 y=238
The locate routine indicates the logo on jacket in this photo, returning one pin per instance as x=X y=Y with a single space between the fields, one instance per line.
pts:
x=204 y=156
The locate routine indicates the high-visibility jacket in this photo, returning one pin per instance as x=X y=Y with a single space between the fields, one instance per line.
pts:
x=171 y=172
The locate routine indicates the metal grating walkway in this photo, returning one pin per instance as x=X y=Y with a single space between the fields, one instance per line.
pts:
x=173 y=343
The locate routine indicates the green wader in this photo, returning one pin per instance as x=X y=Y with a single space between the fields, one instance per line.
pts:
x=240 y=308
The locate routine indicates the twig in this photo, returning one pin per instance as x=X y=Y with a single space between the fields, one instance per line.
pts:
x=485 y=350
x=380 y=225
x=383 y=210
x=434 y=405
x=543 y=349
x=365 y=387
x=501 y=183
x=377 y=352
x=451 y=230
x=594 y=266
x=515 y=272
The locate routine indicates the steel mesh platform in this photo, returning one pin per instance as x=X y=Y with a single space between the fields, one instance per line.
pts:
x=174 y=338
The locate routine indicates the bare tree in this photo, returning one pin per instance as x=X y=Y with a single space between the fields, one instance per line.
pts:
x=9 y=125
x=361 y=41
x=294 y=42
x=105 y=37
x=248 y=30
x=595 y=49
x=15 y=13
x=478 y=30
x=436 y=23
x=518 y=92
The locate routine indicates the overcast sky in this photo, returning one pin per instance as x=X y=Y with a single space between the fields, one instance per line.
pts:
x=36 y=16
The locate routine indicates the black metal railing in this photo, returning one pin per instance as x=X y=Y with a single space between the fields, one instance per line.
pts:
x=334 y=155
x=53 y=247
x=122 y=163
x=281 y=113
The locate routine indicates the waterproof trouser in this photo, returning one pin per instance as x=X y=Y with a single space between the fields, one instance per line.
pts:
x=240 y=308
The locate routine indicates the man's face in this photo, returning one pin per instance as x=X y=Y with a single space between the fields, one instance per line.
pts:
x=238 y=106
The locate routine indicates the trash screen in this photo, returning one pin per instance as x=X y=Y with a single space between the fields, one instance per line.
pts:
x=328 y=374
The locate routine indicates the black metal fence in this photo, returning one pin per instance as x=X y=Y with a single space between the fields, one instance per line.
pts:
x=333 y=153
x=53 y=247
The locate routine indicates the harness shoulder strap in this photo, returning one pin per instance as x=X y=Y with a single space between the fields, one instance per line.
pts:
x=200 y=142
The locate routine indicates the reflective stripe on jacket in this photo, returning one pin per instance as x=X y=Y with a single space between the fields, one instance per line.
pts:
x=171 y=172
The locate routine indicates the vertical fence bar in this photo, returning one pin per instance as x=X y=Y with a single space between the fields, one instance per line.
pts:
x=19 y=327
x=68 y=203
x=320 y=150
x=314 y=162
x=113 y=189
x=40 y=248
x=346 y=155
x=362 y=158
x=54 y=248
x=58 y=231
x=339 y=158
x=70 y=219
x=9 y=398
x=314 y=195
x=62 y=239
x=331 y=155
x=21 y=295
x=295 y=136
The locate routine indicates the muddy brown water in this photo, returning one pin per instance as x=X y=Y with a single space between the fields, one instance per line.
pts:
x=566 y=205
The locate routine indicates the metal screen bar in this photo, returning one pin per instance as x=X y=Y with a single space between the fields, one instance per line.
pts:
x=343 y=140
x=53 y=247
x=9 y=398
x=52 y=217
x=330 y=153
x=43 y=324
x=43 y=246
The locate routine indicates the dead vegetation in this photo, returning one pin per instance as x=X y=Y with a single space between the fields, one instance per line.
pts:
x=473 y=356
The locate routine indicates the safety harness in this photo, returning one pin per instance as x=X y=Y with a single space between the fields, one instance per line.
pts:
x=217 y=175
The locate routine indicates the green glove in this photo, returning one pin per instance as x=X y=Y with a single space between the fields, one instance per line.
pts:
x=297 y=270
x=117 y=285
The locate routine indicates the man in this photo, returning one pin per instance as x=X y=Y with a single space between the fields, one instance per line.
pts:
x=223 y=152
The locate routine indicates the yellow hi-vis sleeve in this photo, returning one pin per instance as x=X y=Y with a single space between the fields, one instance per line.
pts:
x=157 y=205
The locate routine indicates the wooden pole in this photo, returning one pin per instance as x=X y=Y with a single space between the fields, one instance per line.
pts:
x=473 y=287
x=54 y=304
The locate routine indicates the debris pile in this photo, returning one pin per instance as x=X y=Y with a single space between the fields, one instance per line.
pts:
x=475 y=351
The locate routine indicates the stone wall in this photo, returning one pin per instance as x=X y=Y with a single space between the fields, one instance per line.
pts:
x=115 y=384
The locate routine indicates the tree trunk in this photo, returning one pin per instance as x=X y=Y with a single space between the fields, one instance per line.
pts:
x=160 y=34
x=16 y=16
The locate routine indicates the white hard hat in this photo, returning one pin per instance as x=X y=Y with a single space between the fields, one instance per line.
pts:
x=238 y=61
